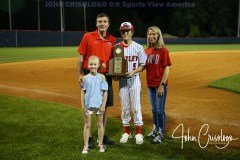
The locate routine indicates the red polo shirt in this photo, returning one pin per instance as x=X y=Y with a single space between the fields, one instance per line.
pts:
x=92 y=44
x=157 y=60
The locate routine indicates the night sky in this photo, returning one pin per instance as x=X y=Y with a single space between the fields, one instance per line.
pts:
x=142 y=14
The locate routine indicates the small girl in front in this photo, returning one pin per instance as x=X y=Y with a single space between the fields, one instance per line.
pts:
x=93 y=99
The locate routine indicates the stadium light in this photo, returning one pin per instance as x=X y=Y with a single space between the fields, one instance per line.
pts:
x=84 y=14
x=238 y=19
x=61 y=15
x=39 y=20
x=10 y=15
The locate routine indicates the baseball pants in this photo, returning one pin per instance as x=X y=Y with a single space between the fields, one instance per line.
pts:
x=129 y=94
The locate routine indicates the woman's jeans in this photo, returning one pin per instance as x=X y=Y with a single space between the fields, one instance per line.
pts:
x=158 y=108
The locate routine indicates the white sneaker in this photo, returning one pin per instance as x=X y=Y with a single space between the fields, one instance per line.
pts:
x=157 y=139
x=125 y=138
x=139 y=138
x=102 y=148
x=85 y=150
x=152 y=134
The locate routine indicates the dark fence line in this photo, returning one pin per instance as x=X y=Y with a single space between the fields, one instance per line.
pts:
x=58 y=38
x=39 y=38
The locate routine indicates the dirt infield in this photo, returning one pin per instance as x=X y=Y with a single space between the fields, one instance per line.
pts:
x=189 y=101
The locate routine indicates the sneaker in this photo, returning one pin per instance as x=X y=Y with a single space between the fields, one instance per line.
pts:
x=139 y=138
x=125 y=137
x=107 y=141
x=161 y=134
x=162 y=137
x=157 y=139
x=90 y=143
x=85 y=150
x=102 y=148
x=151 y=134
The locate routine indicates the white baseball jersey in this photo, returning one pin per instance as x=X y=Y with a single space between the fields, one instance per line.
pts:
x=130 y=88
x=135 y=55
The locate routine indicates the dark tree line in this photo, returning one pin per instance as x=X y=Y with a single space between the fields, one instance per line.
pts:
x=206 y=18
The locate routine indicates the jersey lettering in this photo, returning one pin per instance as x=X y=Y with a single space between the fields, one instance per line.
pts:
x=131 y=58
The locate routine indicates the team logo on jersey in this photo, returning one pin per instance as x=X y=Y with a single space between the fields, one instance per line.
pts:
x=153 y=59
x=109 y=43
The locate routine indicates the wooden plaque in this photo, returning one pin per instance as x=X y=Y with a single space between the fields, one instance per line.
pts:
x=118 y=64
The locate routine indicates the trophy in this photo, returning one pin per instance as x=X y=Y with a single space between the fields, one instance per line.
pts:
x=118 y=64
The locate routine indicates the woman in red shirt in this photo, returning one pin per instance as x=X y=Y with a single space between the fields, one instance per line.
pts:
x=157 y=69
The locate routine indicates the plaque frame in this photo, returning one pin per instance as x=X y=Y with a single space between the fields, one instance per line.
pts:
x=118 y=64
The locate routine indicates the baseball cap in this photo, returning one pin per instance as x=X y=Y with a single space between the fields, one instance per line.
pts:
x=126 y=26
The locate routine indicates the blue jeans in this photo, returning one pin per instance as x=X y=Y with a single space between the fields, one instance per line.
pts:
x=158 y=107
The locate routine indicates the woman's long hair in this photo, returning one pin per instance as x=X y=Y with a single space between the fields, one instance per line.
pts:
x=159 y=43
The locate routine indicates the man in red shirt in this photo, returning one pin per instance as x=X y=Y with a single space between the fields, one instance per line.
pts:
x=157 y=69
x=100 y=44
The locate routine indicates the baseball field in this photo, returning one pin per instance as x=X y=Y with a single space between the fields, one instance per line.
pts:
x=49 y=74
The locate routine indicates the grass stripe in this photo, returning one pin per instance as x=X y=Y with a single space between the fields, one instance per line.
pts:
x=8 y=55
x=231 y=83
x=202 y=47
x=35 y=53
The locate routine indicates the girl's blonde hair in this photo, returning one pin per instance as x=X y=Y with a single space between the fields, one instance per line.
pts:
x=159 y=43
x=93 y=58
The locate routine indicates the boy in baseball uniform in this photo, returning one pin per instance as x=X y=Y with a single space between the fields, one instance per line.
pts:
x=130 y=85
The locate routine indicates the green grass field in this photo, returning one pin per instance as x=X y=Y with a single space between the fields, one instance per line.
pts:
x=231 y=83
x=8 y=55
x=32 y=129
x=202 y=47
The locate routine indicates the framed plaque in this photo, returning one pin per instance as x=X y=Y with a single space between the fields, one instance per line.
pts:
x=118 y=64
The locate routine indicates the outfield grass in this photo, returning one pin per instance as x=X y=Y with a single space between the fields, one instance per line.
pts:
x=33 y=129
x=39 y=53
x=231 y=83
x=202 y=47
x=35 y=53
